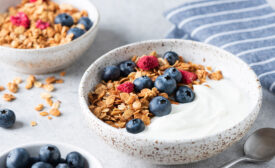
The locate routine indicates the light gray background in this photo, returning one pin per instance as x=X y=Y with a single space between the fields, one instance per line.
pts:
x=122 y=22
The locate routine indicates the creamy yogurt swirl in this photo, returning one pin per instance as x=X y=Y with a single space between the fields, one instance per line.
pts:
x=214 y=109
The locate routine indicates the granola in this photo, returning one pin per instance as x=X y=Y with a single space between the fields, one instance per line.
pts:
x=116 y=108
x=31 y=24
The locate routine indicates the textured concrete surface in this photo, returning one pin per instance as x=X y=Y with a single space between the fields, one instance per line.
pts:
x=122 y=22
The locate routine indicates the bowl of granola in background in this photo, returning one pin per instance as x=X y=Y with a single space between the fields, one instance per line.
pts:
x=33 y=150
x=37 y=50
x=169 y=151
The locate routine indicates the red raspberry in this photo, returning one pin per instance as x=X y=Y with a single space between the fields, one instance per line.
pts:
x=188 y=77
x=148 y=62
x=42 y=25
x=21 y=19
x=32 y=1
x=127 y=87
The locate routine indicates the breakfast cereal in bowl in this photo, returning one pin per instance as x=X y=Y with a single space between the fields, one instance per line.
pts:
x=42 y=36
x=170 y=101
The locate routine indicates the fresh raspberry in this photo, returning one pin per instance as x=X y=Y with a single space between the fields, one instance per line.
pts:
x=148 y=62
x=188 y=77
x=20 y=19
x=127 y=87
x=32 y=1
x=42 y=25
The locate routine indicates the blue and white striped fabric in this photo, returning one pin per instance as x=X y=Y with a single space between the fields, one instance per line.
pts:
x=245 y=28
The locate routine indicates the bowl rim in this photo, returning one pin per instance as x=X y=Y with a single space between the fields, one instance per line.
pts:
x=85 y=107
x=89 y=157
x=61 y=46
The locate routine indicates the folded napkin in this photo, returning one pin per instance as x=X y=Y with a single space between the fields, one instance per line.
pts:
x=245 y=28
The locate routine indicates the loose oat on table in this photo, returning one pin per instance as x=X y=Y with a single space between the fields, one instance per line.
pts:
x=2 y=88
x=63 y=73
x=17 y=80
x=13 y=87
x=49 y=87
x=45 y=95
x=39 y=29
x=55 y=112
x=30 y=82
x=117 y=108
x=39 y=107
x=44 y=113
x=8 y=97
x=33 y=123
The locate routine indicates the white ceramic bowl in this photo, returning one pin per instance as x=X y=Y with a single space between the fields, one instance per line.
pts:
x=176 y=151
x=33 y=149
x=45 y=60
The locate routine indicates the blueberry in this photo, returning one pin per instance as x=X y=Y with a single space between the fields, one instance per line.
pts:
x=143 y=82
x=62 y=160
x=174 y=73
x=64 y=19
x=110 y=73
x=62 y=165
x=127 y=67
x=171 y=57
x=165 y=83
x=42 y=165
x=184 y=95
x=49 y=154
x=135 y=126
x=77 y=32
x=18 y=158
x=160 y=106
x=7 y=118
x=75 y=160
x=32 y=161
x=86 y=22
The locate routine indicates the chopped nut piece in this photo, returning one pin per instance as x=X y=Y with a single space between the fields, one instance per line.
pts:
x=8 y=97
x=39 y=107
x=44 y=113
x=33 y=123
x=55 y=112
x=13 y=87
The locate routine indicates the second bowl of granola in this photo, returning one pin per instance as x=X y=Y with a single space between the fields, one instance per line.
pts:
x=33 y=40
x=170 y=107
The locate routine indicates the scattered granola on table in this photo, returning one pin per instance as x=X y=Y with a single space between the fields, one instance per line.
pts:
x=41 y=23
x=31 y=81
x=124 y=95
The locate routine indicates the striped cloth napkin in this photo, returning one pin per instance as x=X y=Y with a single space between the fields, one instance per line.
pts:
x=245 y=28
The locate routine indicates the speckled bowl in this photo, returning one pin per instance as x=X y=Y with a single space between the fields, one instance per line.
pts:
x=175 y=151
x=45 y=60
x=33 y=149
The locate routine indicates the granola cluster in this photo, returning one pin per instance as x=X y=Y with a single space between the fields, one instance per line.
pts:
x=31 y=24
x=116 y=107
x=32 y=81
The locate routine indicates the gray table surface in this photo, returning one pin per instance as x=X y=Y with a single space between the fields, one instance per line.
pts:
x=122 y=22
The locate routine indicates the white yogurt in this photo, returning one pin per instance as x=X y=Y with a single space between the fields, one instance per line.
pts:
x=213 y=110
